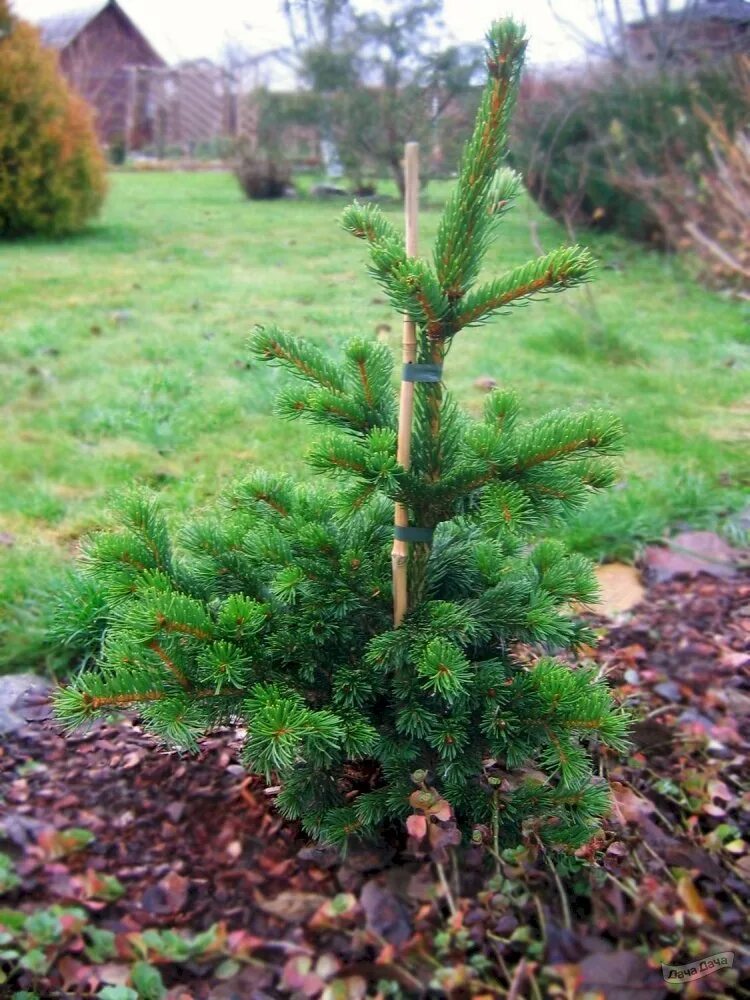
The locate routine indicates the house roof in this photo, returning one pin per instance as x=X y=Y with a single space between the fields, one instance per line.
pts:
x=733 y=11
x=58 y=32
x=722 y=10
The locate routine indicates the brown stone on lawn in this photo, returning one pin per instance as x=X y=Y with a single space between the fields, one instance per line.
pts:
x=15 y=691
x=689 y=554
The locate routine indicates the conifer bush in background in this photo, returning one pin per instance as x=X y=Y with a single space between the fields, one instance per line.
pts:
x=52 y=173
x=275 y=608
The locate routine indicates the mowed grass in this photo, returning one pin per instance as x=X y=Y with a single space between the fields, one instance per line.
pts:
x=123 y=359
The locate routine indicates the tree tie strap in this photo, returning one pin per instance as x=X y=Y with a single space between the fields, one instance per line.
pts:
x=422 y=373
x=413 y=534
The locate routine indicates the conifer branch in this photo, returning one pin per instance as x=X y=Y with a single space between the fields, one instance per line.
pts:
x=367 y=222
x=409 y=283
x=466 y=225
x=96 y=703
x=370 y=369
x=75 y=706
x=321 y=406
x=273 y=493
x=560 y=435
x=263 y=497
x=411 y=287
x=563 y=268
x=364 y=379
x=300 y=357
x=169 y=664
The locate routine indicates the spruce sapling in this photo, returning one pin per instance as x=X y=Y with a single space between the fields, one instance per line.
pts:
x=275 y=608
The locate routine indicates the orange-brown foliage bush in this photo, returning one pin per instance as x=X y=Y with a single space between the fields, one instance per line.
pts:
x=52 y=172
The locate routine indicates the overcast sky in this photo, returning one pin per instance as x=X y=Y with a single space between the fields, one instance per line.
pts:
x=179 y=30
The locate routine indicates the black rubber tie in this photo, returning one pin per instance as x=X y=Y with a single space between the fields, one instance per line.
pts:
x=413 y=534
x=422 y=373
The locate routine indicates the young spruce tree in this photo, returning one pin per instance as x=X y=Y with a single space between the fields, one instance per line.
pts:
x=276 y=609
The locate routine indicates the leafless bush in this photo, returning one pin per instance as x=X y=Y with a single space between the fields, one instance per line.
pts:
x=260 y=176
x=704 y=208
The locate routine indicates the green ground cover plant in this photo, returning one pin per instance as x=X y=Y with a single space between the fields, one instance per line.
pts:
x=123 y=357
x=34 y=942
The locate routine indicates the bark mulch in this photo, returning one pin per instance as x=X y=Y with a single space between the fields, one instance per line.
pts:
x=192 y=872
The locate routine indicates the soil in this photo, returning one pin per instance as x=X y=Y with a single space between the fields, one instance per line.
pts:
x=196 y=843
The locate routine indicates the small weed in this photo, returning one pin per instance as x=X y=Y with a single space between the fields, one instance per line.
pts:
x=34 y=946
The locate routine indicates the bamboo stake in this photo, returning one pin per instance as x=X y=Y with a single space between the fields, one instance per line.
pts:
x=400 y=552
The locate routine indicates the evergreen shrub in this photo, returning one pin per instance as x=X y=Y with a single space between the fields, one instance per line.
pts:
x=52 y=172
x=275 y=608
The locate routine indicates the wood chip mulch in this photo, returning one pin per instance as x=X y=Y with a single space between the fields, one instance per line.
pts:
x=196 y=844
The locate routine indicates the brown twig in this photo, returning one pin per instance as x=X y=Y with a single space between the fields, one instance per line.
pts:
x=518 y=980
x=446 y=889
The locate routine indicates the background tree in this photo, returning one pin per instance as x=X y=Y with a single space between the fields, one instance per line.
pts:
x=380 y=79
x=264 y=159
x=52 y=173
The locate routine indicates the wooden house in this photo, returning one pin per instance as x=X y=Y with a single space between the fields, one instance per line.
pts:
x=141 y=103
x=101 y=51
x=699 y=30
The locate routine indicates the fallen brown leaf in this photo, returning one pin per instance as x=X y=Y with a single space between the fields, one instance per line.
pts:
x=290 y=906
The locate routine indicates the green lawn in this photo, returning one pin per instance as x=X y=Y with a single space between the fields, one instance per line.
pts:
x=122 y=357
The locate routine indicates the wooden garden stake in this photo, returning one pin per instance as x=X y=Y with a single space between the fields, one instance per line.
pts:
x=400 y=552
